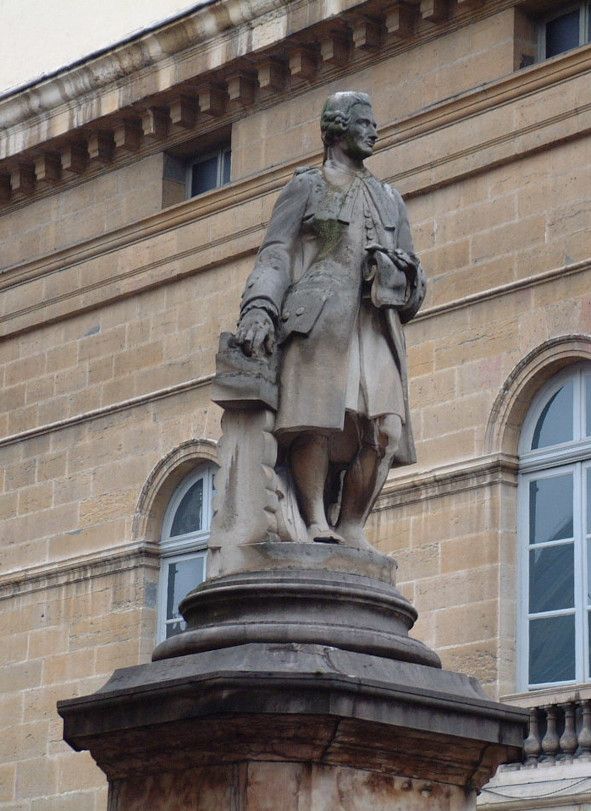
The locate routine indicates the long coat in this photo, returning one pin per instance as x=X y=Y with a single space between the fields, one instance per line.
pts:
x=312 y=274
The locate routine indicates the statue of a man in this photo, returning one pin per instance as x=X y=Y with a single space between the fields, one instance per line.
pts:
x=334 y=280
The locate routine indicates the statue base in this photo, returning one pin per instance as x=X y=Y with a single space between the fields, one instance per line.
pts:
x=297 y=687
x=307 y=593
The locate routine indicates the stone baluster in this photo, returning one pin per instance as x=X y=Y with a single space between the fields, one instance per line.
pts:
x=532 y=746
x=584 y=752
x=568 y=739
x=550 y=741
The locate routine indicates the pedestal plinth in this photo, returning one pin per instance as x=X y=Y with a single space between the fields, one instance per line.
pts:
x=280 y=713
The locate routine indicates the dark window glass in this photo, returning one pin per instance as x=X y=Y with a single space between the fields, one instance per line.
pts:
x=555 y=423
x=552 y=649
x=551 y=578
x=205 y=176
x=562 y=33
x=227 y=166
x=188 y=516
x=551 y=509
x=212 y=172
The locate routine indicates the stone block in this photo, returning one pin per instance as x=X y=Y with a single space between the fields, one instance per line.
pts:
x=15 y=649
x=472 y=622
x=77 y=774
x=20 y=371
x=35 y=777
x=439 y=450
x=469 y=552
x=7 y=782
x=12 y=397
x=72 y=801
x=34 y=498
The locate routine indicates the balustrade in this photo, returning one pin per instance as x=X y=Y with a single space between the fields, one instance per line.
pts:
x=558 y=732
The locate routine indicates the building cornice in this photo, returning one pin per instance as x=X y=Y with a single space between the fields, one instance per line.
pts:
x=112 y=561
x=200 y=72
x=428 y=122
x=458 y=477
x=107 y=411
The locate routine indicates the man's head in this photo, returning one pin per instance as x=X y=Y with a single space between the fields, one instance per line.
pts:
x=347 y=119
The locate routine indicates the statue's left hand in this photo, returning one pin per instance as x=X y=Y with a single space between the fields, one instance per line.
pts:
x=404 y=261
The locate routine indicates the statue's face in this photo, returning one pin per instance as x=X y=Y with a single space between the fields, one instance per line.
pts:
x=358 y=142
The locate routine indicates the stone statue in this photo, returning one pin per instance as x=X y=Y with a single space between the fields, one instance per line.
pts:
x=317 y=368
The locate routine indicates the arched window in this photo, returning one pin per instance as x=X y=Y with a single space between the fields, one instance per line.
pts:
x=555 y=531
x=185 y=533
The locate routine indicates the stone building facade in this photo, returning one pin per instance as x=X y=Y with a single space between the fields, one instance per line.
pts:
x=116 y=282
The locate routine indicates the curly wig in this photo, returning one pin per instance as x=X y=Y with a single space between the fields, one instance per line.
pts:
x=336 y=114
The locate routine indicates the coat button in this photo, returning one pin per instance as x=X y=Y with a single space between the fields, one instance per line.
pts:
x=285 y=316
x=300 y=311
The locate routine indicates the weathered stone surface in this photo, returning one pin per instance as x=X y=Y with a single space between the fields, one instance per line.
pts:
x=296 y=596
x=290 y=702
x=247 y=454
x=268 y=786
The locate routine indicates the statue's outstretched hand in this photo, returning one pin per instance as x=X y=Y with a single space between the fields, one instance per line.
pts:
x=256 y=333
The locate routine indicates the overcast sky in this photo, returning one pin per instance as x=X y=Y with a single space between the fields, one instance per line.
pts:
x=40 y=36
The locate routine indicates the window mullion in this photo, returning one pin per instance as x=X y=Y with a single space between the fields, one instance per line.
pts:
x=581 y=644
x=578 y=431
x=523 y=586
x=584 y=544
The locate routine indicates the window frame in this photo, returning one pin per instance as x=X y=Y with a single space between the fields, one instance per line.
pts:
x=194 y=161
x=189 y=545
x=584 y=33
x=574 y=457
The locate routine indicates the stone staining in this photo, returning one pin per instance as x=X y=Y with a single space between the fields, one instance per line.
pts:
x=4 y=188
x=434 y=10
x=127 y=136
x=154 y=123
x=47 y=168
x=212 y=100
x=366 y=32
x=334 y=48
x=241 y=89
x=400 y=21
x=183 y=112
x=271 y=76
x=22 y=180
x=100 y=147
x=313 y=384
x=74 y=158
x=302 y=65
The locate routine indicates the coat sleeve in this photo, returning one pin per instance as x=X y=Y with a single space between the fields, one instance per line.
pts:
x=272 y=272
x=418 y=286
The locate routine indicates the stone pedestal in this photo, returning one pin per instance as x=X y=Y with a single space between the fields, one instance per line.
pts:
x=297 y=688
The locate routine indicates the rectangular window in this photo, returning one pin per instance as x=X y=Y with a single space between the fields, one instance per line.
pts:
x=197 y=166
x=209 y=171
x=565 y=29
